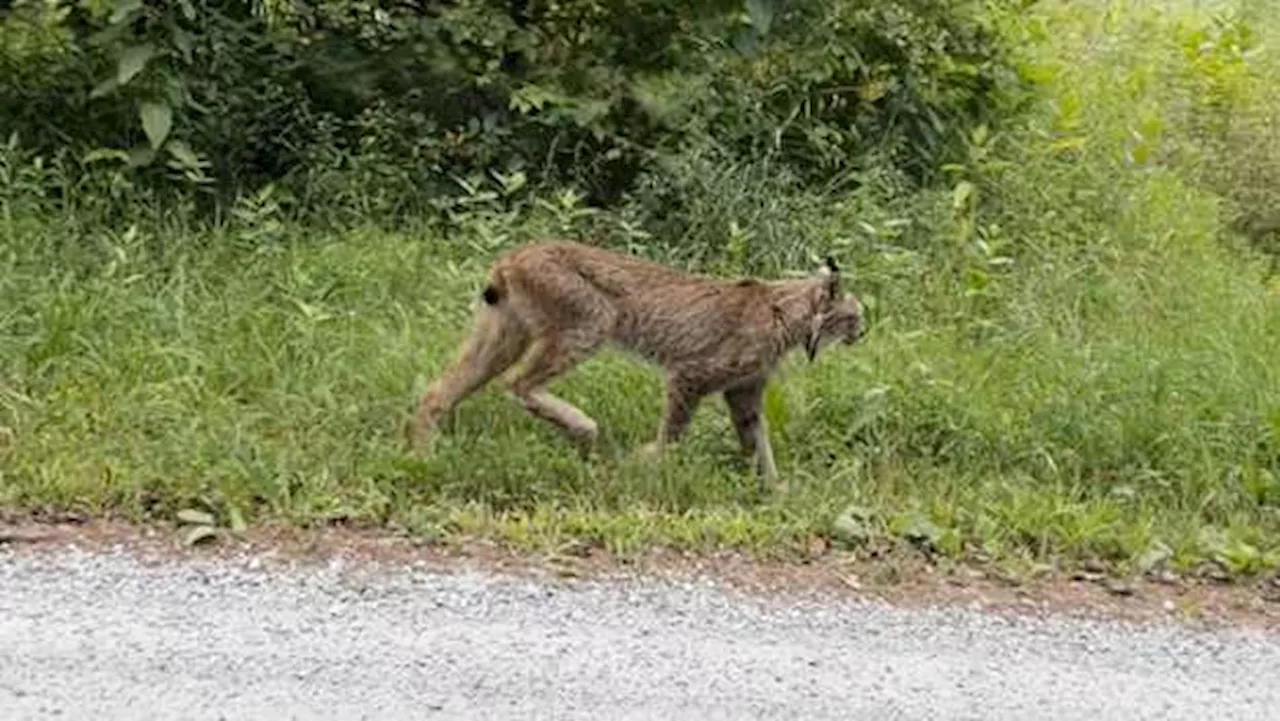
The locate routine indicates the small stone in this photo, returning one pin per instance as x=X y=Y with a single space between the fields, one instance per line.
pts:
x=576 y=548
x=818 y=546
x=1169 y=606
x=1119 y=588
x=1093 y=565
x=22 y=536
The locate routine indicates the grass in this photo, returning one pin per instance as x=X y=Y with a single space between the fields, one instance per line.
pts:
x=1081 y=365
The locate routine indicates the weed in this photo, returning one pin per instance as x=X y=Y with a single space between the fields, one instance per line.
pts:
x=1070 y=357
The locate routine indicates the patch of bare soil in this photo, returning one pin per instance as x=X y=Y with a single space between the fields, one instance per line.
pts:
x=903 y=580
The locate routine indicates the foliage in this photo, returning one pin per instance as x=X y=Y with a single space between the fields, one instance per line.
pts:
x=1071 y=354
x=402 y=99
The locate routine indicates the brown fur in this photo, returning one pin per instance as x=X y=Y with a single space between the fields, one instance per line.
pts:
x=552 y=305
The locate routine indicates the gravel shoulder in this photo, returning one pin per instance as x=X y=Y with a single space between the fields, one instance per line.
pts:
x=117 y=631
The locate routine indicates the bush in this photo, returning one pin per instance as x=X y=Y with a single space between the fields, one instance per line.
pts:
x=401 y=101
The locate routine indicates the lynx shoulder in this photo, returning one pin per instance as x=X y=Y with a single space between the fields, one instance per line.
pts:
x=547 y=307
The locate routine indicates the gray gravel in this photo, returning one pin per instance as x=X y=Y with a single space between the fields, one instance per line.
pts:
x=94 y=636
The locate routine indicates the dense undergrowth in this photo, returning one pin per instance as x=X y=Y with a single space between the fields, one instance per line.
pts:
x=1073 y=347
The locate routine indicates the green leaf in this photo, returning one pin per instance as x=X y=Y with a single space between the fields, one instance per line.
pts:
x=761 y=14
x=140 y=156
x=1070 y=143
x=919 y=529
x=976 y=280
x=104 y=87
x=1156 y=554
x=961 y=194
x=1241 y=558
x=173 y=90
x=236 y=520
x=184 y=42
x=157 y=120
x=132 y=61
x=125 y=8
x=191 y=515
x=853 y=526
x=97 y=154
x=182 y=153
x=200 y=534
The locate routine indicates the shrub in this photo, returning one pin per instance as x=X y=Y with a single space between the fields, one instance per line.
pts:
x=218 y=99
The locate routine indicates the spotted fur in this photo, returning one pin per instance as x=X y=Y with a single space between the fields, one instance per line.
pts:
x=549 y=306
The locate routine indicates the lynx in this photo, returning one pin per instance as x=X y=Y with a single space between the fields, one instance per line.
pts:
x=552 y=305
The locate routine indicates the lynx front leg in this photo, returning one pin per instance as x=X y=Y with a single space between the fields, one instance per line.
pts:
x=682 y=401
x=744 y=408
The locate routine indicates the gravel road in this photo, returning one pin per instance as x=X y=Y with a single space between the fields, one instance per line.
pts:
x=104 y=636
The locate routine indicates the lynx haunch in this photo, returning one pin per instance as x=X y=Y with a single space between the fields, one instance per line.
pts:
x=549 y=306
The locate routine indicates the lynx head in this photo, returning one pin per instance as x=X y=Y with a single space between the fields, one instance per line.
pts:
x=838 y=316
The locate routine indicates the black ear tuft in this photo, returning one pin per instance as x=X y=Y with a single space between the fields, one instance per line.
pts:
x=831 y=277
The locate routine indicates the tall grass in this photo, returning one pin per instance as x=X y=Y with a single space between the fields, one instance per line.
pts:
x=1072 y=355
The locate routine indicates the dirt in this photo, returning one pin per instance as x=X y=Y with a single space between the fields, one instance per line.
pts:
x=901 y=580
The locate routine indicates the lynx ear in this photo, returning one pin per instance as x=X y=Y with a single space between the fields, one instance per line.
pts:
x=814 y=341
x=830 y=273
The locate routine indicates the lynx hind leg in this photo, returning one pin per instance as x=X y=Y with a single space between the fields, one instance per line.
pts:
x=549 y=357
x=495 y=343
x=753 y=434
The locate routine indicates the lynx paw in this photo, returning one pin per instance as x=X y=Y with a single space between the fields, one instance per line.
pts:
x=650 y=451
x=421 y=439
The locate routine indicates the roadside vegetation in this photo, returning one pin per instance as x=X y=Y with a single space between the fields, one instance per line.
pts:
x=235 y=244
